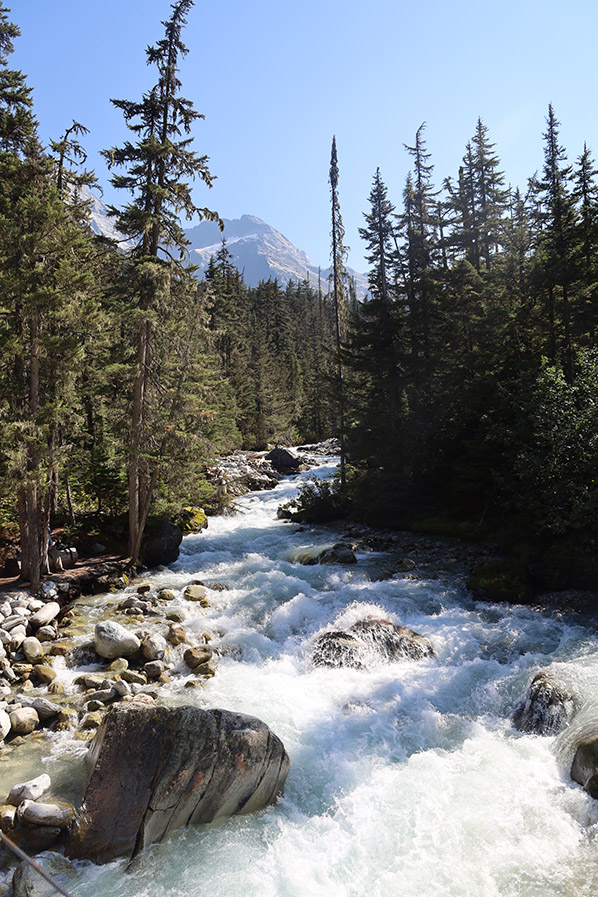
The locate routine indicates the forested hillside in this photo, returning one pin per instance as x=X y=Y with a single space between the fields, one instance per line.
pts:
x=121 y=375
x=472 y=369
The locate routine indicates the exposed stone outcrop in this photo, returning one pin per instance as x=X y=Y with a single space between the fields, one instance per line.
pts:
x=155 y=769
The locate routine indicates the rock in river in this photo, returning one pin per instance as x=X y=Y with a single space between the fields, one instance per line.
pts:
x=112 y=640
x=154 y=769
x=545 y=708
x=369 y=640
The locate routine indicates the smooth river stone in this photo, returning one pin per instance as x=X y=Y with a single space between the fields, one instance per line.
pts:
x=111 y=640
x=59 y=815
x=31 y=790
x=23 y=721
x=45 y=614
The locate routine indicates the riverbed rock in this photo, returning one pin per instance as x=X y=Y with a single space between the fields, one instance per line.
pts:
x=31 y=790
x=584 y=769
x=29 y=883
x=338 y=554
x=44 y=615
x=32 y=649
x=284 y=461
x=57 y=814
x=161 y=544
x=4 y=724
x=545 y=708
x=367 y=641
x=154 y=646
x=195 y=592
x=23 y=721
x=155 y=769
x=111 y=640
x=195 y=657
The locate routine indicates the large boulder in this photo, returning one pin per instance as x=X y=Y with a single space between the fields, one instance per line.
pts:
x=284 y=461
x=367 y=641
x=545 y=708
x=155 y=769
x=161 y=544
x=111 y=640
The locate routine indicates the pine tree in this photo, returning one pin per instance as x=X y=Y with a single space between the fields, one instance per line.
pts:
x=157 y=163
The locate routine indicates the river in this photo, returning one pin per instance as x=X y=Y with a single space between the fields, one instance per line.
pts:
x=406 y=779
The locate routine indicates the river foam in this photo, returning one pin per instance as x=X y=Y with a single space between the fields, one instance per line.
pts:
x=406 y=779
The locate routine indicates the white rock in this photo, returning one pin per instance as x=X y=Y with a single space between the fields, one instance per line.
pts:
x=31 y=790
x=154 y=647
x=111 y=640
x=45 y=614
x=59 y=815
x=32 y=649
x=17 y=637
x=4 y=724
x=24 y=721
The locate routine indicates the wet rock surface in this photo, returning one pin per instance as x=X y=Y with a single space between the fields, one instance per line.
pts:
x=157 y=769
x=368 y=641
x=546 y=708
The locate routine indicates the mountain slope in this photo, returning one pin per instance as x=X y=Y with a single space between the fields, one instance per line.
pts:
x=259 y=251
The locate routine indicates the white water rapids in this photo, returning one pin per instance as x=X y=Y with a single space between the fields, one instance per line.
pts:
x=406 y=779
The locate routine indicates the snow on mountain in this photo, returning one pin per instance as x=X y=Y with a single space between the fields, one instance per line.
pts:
x=259 y=251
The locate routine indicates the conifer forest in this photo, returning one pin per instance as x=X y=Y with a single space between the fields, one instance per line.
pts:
x=463 y=388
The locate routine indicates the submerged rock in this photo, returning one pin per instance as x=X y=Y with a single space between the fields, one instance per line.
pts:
x=154 y=769
x=27 y=882
x=392 y=641
x=368 y=640
x=31 y=790
x=545 y=708
x=338 y=554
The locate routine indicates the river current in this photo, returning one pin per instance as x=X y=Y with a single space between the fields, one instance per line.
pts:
x=406 y=779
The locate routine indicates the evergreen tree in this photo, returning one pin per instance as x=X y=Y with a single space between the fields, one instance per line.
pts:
x=338 y=254
x=157 y=163
x=555 y=243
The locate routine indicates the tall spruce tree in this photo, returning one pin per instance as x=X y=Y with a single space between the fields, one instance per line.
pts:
x=158 y=162
x=44 y=280
x=555 y=244
x=338 y=254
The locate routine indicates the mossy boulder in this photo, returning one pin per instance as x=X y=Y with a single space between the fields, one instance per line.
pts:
x=191 y=520
x=506 y=579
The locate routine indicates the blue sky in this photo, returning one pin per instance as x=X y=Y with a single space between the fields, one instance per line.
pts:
x=277 y=78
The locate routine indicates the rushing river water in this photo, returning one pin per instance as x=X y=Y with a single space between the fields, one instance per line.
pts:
x=408 y=779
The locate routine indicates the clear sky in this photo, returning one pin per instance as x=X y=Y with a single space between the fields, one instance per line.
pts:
x=277 y=78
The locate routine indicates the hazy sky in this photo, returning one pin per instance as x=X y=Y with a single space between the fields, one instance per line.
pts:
x=276 y=79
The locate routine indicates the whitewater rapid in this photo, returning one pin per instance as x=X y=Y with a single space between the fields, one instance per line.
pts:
x=406 y=779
